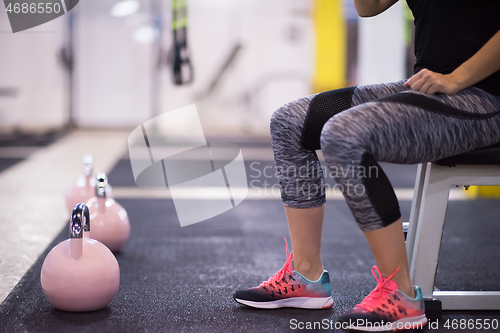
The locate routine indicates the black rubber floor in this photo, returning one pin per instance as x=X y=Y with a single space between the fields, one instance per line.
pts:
x=21 y=139
x=261 y=173
x=6 y=162
x=177 y=279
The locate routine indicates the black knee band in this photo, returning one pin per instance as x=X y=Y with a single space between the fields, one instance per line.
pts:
x=379 y=190
x=324 y=106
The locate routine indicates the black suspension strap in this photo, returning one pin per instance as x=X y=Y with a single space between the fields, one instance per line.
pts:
x=182 y=68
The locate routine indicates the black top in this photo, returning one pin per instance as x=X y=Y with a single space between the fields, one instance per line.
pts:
x=449 y=32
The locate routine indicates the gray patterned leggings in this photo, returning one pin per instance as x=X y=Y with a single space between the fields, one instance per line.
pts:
x=366 y=124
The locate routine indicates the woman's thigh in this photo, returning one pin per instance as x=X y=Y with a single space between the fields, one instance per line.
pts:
x=324 y=106
x=410 y=127
x=406 y=127
x=295 y=135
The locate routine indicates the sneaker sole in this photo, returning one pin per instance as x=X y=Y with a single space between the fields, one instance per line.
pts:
x=401 y=324
x=294 y=302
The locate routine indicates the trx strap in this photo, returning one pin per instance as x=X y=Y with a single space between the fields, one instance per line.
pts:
x=182 y=68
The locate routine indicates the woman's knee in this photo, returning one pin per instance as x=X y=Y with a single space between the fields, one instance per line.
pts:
x=338 y=141
x=288 y=120
x=279 y=119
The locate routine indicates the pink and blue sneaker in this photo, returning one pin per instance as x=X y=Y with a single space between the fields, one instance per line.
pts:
x=288 y=288
x=386 y=308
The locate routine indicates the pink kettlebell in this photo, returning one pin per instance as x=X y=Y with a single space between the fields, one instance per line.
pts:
x=80 y=274
x=110 y=223
x=83 y=189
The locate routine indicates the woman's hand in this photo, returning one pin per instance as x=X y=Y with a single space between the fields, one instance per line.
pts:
x=429 y=82
x=485 y=62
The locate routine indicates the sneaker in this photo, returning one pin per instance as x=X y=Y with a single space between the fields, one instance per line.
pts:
x=386 y=308
x=288 y=288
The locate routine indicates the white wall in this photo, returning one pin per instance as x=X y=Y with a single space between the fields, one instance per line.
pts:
x=270 y=70
x=29 y=65
x=381 y=53
x=113 y=71
x=114 y=77
x=114 y=74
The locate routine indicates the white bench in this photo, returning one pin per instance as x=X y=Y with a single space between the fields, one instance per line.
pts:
x=425 y=229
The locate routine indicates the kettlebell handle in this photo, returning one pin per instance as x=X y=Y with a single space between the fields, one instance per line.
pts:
x=101 y=184
x=88 y=164
x=76 y=226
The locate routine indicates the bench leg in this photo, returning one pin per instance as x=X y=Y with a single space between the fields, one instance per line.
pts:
x=427 y=237
x=415 y=210
x=429 y=205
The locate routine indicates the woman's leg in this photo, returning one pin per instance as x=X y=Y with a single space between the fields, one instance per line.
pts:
x=299 y=173
x=404 y=128
x=389 y=250
x=449 y=136
x=302 y=283
x=295 y=133
x=305 y=226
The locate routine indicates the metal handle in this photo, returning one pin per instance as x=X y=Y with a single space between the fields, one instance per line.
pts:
x=102 y=183
x=88 y=164
x=76 y=224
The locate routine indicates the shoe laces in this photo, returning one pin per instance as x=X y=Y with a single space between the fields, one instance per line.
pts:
x=287 y=269
x=381 y=291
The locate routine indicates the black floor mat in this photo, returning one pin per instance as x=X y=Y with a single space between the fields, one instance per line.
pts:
x=177 y=279
x=21 y=139
x=6 y=162
x=263 y=174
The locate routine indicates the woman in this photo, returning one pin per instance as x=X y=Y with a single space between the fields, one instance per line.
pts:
x=449 y=107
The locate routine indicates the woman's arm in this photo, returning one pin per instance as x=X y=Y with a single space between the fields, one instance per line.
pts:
x=481 y=65
x=368 y=8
